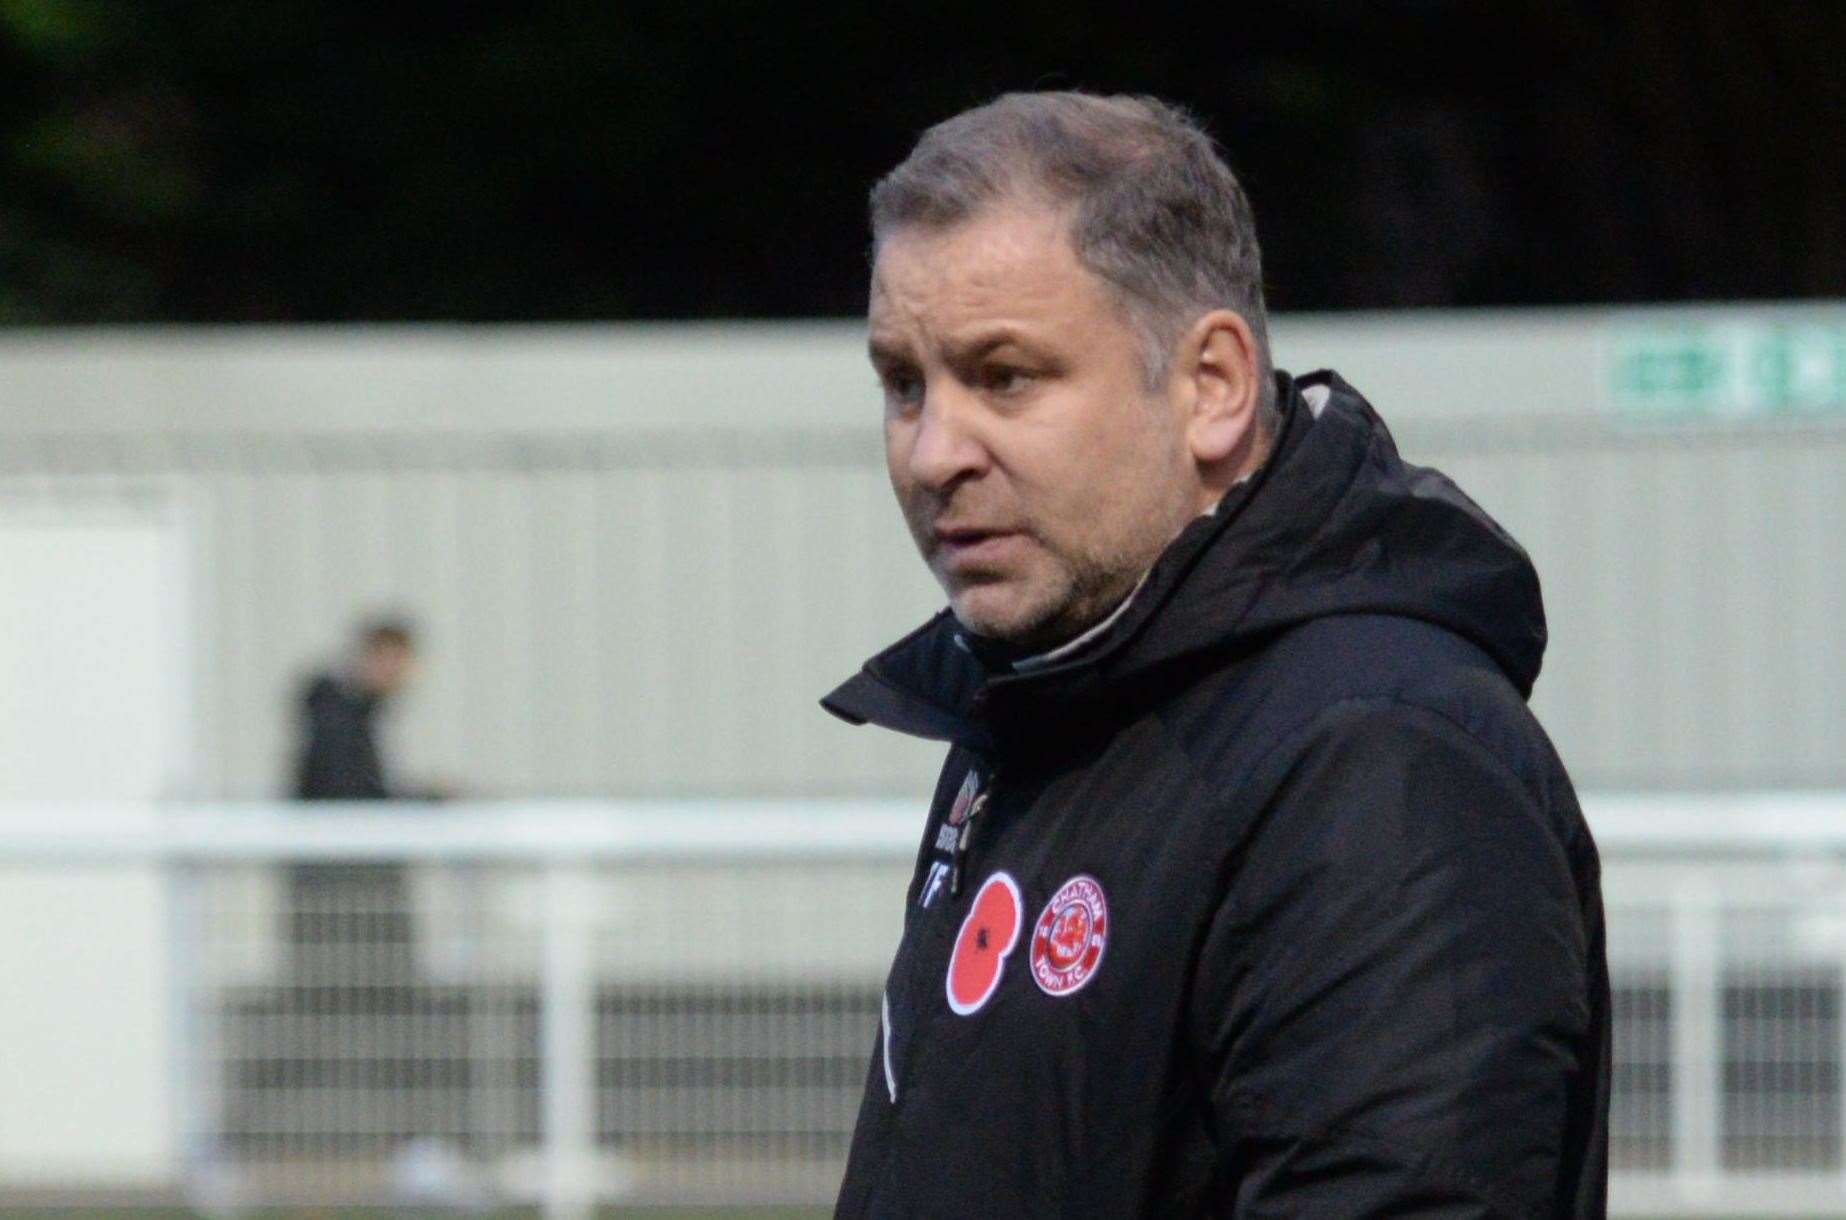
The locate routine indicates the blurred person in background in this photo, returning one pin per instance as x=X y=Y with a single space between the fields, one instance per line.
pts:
x=340 y=759
x=350 y=922
x=1251 y=886
x=350 y=929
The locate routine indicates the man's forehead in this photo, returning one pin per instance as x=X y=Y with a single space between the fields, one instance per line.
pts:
x=995 y=239
x=1000 y=265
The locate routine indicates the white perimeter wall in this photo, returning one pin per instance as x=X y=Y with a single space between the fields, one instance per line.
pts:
x=641 y=553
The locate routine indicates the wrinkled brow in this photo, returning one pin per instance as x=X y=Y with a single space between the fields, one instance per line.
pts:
x=961 y=351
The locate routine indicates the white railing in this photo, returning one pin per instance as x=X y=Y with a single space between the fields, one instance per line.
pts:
x=674 y=1002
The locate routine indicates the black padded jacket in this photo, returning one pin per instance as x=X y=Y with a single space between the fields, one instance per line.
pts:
x=1273 y=901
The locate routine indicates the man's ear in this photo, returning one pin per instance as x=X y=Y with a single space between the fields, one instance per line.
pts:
x=1218 y=357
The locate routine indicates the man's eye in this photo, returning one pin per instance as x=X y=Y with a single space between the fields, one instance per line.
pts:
x=902 y=388
x=1005 y=379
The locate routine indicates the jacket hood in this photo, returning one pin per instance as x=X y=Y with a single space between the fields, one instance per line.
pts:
x=1335 y=523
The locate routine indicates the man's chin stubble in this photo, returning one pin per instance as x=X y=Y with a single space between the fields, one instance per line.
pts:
x=1083 y=599
x=1037 y=630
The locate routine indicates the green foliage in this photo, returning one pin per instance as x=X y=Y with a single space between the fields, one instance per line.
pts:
x=188 y=160
x=62 y=31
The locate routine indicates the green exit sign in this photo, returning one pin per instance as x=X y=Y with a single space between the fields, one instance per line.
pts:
x=1741 y=369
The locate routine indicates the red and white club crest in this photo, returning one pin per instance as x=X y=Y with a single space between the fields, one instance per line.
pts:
x=987 y=936
x=1070 y=935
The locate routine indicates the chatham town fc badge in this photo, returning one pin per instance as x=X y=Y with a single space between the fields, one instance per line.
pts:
x=1068 y=941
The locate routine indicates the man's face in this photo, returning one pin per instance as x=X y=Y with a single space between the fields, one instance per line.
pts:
x=1039 y=475
x=386 y=667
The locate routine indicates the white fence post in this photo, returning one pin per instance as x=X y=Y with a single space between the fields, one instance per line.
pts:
x=196 y=1054
x=567 y=1044
x=1698 y=1060
x=1836 y=947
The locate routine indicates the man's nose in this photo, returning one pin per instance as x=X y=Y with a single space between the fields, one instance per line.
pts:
x=947 y=445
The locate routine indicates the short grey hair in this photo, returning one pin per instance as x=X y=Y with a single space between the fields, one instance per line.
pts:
x=1156 y=212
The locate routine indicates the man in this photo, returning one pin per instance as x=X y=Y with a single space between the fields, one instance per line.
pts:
x=339 y=753
x=1250 y=887
x=351 y=921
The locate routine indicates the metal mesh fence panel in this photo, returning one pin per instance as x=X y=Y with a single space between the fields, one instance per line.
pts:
x=460 y=1033
x=1641 y=1094
x=361 y=1030
x=1780 y=1004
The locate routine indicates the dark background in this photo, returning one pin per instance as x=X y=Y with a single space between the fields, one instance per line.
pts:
x=225 y=161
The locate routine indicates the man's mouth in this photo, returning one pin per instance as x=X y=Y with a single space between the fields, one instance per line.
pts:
x=967 y=545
